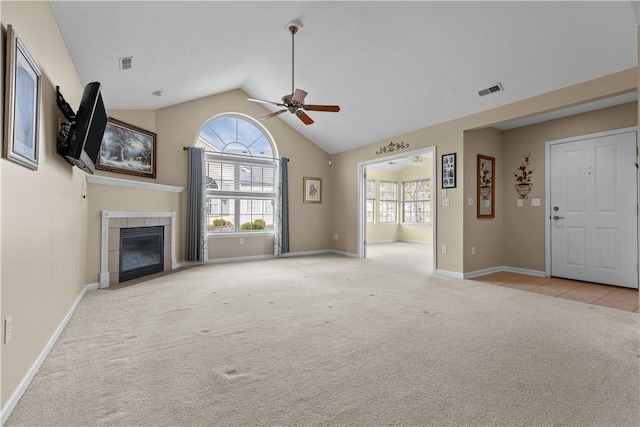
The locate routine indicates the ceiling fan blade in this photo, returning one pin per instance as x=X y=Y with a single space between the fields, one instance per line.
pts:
x=304 y=117
x=298 y=96
x=329 y=108
x=268 y=116
x=265 y=102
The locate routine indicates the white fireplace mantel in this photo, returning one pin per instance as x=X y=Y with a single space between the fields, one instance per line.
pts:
x=104 y=238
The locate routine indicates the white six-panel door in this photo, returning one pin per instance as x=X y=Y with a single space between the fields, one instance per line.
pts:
x=593 y=209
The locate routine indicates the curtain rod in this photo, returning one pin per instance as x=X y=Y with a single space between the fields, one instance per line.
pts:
x=242 y=155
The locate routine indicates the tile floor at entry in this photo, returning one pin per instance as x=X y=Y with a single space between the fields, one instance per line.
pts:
x=608 y=296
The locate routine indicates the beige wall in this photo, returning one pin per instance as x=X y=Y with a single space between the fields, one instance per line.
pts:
x=44 y=218
x=524 y=227
x=178 y=126
x=449 y=138
x=110 y=198
x=483 y=234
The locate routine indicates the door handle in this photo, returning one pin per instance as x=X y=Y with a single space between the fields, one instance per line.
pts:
x=556 y=217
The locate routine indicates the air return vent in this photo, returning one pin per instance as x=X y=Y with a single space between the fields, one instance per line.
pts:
x=126 y=63
x=495 y=88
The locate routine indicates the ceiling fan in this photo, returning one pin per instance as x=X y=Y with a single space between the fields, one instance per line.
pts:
x=294 y=102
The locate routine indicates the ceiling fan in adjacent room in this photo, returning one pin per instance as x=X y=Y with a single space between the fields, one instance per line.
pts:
x=294 y=102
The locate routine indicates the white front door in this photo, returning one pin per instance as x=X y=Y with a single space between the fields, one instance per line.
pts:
x=593 y=209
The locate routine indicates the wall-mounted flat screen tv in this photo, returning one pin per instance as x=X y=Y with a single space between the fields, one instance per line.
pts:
x=86 y=131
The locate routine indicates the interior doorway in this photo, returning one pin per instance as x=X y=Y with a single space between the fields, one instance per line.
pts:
x=396 y=201
x=593 y=197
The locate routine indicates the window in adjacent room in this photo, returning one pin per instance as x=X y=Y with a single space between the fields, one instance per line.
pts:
x=240 y=174
x=416 y=201
x=388 y=202
x=371 y=200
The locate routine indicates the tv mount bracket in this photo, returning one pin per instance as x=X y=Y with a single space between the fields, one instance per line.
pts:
x=64 y=106
x=63 y=128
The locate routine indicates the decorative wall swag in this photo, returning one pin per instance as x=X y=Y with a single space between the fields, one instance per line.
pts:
x=393 y=146
x=523 y=178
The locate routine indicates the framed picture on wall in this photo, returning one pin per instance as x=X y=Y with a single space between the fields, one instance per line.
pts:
x=449 y=170
x=127 y=149
x=312 y=190
x=22 y=108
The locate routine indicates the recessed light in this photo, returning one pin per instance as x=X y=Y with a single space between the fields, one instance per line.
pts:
x=157 y=93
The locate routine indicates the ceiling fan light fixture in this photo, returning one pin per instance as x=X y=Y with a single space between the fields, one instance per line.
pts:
x=294 y=101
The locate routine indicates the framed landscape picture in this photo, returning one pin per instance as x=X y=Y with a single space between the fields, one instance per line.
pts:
x=312 y=190
x=127 y=149
x=22 y=104
x=449 y=170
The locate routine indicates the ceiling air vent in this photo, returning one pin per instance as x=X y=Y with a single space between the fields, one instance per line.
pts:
x=495 y=88
x=125 y=63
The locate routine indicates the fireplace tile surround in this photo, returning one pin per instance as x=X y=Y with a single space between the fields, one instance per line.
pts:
x=113 y=221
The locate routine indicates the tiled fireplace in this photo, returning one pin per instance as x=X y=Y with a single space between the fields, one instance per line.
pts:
x=113 y=222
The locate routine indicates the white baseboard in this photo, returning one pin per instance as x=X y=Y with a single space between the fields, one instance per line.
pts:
x=498 y=269
x=483 y=272
x=452 y=274
x=306 y=253
x=347 y=254
x=24 y=384
x=320 y=252
x=537 y=273
x=237 y=259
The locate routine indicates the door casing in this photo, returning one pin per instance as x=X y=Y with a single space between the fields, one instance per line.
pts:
x=548 y=144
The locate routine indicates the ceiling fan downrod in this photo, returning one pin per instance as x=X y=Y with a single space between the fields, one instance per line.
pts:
x=293 y=30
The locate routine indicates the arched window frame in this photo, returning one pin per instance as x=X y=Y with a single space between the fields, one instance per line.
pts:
x=241 y=183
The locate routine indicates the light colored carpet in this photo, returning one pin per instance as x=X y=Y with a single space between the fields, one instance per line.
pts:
x=328 y=340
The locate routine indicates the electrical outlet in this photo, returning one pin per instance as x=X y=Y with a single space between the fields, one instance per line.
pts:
x=8 y=329
x=242 y=240
x=335 y=237
x=520 y=202
x=444 y=249
x=470 y=201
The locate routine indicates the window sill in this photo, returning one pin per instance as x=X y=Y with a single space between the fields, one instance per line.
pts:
x=240 y=234
x=420 y=224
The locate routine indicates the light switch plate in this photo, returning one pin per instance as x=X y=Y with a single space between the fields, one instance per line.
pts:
x=520 y=202
x=445 y=201
x=535 y=202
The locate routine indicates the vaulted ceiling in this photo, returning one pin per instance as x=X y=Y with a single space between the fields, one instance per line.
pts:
x=393 y=67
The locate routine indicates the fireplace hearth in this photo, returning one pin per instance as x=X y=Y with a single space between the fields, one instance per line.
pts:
x=141 y=252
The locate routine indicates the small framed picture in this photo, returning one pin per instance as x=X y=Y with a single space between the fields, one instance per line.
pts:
x=312 y=188
x=127 y=149
x=22 y=107
x=449 y=170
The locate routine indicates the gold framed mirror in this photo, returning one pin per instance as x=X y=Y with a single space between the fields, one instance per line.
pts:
x=486 y=186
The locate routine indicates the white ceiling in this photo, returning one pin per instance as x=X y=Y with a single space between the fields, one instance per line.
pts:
x=393 y=67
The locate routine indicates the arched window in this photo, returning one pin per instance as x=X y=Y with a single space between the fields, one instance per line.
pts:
x=241 y=174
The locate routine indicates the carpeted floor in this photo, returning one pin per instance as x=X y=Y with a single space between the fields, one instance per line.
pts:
x=329 y=340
